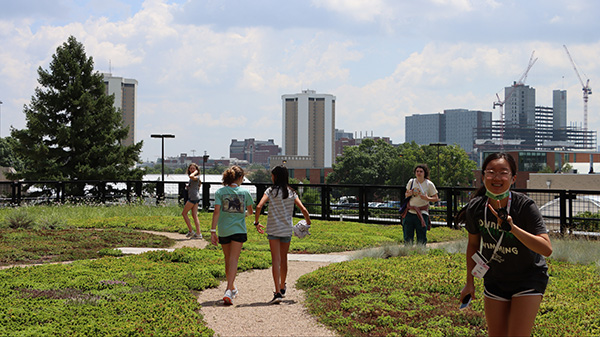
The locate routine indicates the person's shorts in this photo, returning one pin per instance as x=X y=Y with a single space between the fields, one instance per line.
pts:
x=505 y=291
x=283 y=239
x=239 y=237
x=195 y=202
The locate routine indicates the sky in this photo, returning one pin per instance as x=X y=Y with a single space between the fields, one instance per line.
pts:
x=210 y=71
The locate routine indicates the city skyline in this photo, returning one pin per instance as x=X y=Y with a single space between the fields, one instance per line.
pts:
x=209 y=72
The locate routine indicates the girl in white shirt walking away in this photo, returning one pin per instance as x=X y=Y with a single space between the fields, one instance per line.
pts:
x=282 y=199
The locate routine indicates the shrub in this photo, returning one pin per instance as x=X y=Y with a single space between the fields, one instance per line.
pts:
x=19 y=219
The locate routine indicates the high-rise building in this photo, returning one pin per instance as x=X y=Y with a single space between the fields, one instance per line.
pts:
x=125 y=91
x=309 y=127
x=519 y=108
x=559 y=105
x=454 y=126
x=425 y=129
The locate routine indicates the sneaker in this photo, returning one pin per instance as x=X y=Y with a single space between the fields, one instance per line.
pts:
x=234 y=293
x=228 y=297
x=190 y=234
x=277 y=298
x=282 y=291
x=197 y=236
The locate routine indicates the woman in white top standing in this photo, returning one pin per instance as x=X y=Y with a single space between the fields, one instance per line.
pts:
x=282 y=200
x=421 y=192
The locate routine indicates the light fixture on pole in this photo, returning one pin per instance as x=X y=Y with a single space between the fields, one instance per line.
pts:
x=438 y=145
x=162 y=136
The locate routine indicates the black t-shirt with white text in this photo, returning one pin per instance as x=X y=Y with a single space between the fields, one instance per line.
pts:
x=517 y=262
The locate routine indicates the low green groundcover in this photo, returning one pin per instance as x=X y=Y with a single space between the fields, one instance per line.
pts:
x=146 y=295
x=417 y=295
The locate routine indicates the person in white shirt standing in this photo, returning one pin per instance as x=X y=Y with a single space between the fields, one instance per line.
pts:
x=421 y=192
x=282 y=199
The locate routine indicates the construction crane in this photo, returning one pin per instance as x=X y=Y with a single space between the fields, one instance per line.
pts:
x=586 y=91
x=500 y=103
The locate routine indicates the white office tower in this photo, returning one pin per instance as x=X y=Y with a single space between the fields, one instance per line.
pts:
x=125 y=91
x=309 y=127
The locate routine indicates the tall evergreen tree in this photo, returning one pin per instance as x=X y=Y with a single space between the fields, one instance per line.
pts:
x=73 y=130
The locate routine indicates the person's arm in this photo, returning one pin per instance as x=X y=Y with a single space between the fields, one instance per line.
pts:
x=261 y=204
x=472 y=247
x=409 y=192
x=194 y=175
x=539 y=243
x=259 y=207
x=433 y=198
x=214 y=239
x=303 y=210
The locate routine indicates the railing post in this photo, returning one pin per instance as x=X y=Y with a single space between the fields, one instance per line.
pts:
x=13 y=188
x=128 y=191
x=102 y=191
x=138 y=189
x=58 y=190
x=205 y=196
x=361 y=204
x=450 y=198
x=180 y=191
x=160 y=191
x=325 y=201
x=563 y=212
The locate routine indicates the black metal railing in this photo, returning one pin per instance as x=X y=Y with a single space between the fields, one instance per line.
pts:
x=563 y=210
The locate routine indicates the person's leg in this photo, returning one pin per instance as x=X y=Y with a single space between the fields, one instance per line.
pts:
x=522 y=314
x=408 y=228
x=186 y=208
x=195 y=217
x=235 y=248
x=422 y=231
x=226 y=254
x=274 y=244
x=284 y=248
x=496 y=316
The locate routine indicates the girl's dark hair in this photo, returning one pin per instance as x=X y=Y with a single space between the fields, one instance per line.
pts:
x=512 y=163
x=232 y=174
x=281 y=181
x=425 y=169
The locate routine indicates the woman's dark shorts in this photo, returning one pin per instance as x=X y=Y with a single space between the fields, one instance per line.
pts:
x=238 y=237
x=505 y=291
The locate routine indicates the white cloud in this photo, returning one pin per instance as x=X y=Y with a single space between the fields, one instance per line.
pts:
x=209 y=81
x=357 y=9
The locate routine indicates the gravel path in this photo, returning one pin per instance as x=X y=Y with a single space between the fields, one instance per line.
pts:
x=250 y=314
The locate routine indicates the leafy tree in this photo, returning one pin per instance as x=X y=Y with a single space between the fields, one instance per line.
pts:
x=260 y=175
x=379 y=163
x=73 y=131
x=8 y=157
x=367 y=163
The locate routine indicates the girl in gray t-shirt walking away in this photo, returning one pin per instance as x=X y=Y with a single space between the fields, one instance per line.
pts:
x=282 y=200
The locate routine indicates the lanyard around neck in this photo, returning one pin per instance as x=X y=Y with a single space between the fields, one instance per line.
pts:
x=488 y=229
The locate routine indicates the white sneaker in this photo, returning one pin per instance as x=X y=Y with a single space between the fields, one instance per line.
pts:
x=197 y=236
x=234 y=293
x=190 y=234
x=228 y=297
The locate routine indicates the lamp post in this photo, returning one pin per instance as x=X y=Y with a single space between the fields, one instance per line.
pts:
x=438 y=145
x=204 y=160
x=162 y=136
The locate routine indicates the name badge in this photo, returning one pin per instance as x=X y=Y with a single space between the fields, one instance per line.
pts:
x=481 y=266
